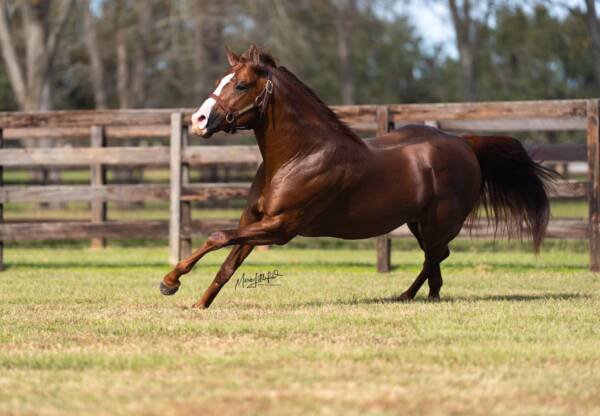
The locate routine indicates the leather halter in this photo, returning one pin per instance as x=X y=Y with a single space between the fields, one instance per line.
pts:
x=260 y=102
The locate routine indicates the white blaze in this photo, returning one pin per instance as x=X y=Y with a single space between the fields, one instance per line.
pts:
x=200 y=117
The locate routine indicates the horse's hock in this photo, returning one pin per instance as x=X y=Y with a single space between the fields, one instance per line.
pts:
x=91 y=132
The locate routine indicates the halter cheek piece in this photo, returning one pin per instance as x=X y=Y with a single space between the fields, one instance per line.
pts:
x=260 y=103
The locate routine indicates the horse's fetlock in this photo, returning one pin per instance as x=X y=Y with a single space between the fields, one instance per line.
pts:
x=183 y=268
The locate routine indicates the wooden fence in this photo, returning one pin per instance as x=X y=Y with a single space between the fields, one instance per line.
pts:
x=97 y=126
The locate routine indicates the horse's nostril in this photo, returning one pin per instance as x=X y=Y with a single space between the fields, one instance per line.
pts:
x=201 y=119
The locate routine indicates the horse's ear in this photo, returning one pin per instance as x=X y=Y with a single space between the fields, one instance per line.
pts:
x=231 y=56
x=254 y=54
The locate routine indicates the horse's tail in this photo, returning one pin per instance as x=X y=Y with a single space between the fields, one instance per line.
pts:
x=513 y=187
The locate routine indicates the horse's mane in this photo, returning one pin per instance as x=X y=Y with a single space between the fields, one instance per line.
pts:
x=268 y=63
x=324 y=108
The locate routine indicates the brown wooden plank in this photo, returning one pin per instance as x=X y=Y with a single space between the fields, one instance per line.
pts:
x=66 y=230
x=85 y=156
x=202 y=155
x=215 y=191
x=558 y=152
x=357 y=114
x=85 y=118
x=192 y=192
x=570 y=189
x=46 y=230
x=512 y=124
x=139 y=117
x=66 y=193
x=98 y=178
x=488 y=110
x=593 y=154
x=557 y=228
x=122 y=193
x=110 y=132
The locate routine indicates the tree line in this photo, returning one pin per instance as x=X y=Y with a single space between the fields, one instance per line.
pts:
x=63 y=54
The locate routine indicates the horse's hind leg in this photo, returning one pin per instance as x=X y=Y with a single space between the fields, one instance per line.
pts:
x=441 y=224
x=431 y=272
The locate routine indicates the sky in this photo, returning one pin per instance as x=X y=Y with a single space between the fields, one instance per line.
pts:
x=432 y=20
x=433 y=23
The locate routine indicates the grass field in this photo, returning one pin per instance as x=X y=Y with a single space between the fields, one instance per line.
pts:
x=85 y=332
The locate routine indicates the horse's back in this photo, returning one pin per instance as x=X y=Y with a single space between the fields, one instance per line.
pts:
x=407 y=135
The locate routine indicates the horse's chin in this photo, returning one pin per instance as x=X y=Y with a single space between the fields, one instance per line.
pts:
x=204 y=133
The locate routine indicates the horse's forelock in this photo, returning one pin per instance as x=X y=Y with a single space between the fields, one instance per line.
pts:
x=266 y=59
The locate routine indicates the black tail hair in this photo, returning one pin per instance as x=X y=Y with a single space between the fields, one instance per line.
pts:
x=514 y=187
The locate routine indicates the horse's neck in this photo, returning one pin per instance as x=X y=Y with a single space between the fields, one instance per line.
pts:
x=282 y=137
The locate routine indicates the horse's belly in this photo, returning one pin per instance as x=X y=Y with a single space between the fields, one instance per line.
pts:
x=362 y=217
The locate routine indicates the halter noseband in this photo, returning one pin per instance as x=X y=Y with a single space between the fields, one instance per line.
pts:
x=260 y=102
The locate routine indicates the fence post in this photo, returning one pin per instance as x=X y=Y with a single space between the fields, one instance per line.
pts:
x=175 y=205
x=384 y=243
x=593 y=156
x=186 y=206
x=1 y=204
x=98 y=178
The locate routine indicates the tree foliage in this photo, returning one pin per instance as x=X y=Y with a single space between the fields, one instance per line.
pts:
x=160 y=53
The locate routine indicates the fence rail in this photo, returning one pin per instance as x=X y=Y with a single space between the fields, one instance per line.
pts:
x=98 y=126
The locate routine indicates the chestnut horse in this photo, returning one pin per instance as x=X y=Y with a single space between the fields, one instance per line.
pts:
x=318 y=178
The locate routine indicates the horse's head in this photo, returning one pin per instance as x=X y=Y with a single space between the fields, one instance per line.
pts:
x=241 y=97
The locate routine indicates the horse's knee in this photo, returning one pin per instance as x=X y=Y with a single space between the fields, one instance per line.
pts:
x=217 y=238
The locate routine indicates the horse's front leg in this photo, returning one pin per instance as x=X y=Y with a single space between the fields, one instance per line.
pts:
x=235 y=258
x=170 y=284
x=267 y=231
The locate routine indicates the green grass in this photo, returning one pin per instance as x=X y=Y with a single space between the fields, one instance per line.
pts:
x=86 y=332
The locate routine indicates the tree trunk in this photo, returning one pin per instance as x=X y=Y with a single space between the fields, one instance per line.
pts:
x=208 y=32
x=346 y=14
x=96 y=67
x=468 y=36
x=9 y=55
x=594 y=30
x=122 y=69
x=31 y=84
x=144 y=22
x=34 y=16
x=468 y=62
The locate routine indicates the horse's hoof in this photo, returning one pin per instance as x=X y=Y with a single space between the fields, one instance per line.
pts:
x=434 y=298
x=199 y=306
x=404 y=298
x=167 y=290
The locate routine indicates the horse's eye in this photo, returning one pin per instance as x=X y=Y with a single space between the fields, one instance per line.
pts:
x=241 y=86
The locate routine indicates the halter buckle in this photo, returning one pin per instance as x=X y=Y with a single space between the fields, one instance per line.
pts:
x=230 y=118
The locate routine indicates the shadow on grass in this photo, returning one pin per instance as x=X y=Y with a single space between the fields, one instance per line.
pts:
x=517 y=298
x=499 y=266
x=449 y=299
x=322 y=266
